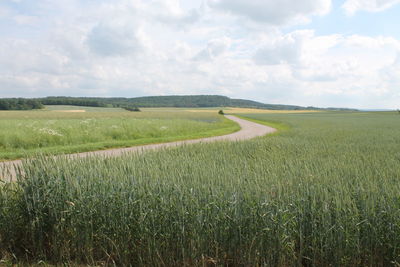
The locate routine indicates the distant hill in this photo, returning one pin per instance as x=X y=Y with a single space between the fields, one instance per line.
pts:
x=185 y=101
x=194 y=101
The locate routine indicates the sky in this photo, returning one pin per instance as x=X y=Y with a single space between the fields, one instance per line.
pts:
x=325 y=53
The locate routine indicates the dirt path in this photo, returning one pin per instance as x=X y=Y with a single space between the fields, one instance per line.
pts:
x=248 y=130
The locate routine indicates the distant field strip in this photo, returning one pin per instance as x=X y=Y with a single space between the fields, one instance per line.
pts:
x=248 y=130
x=72 y=110
x=231 y=110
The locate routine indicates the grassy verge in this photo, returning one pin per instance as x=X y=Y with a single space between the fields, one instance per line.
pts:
x=228 y=128
x=50 y=133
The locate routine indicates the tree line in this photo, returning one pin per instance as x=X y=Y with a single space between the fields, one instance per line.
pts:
x=20 y=104
x=73 y=101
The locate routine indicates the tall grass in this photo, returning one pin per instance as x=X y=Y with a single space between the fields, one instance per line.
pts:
x=25 y=133
x=324 y=193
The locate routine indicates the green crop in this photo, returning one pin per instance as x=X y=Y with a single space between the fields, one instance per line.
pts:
x=323 y=192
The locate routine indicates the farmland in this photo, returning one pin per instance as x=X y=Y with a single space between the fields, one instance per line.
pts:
x=67 y=129
x=323 y=191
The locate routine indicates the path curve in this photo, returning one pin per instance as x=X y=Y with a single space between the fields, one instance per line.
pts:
x=248 y=130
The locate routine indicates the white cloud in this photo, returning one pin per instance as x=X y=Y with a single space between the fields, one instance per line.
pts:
x=135 y=47
x=113 y=40
x=215 y=48
x=4 y=12
x=171 y=12
x=26 y=20
x=19 y=56
x=272 y=11
x=331 y=70
x=284 y=49
x=352 y=6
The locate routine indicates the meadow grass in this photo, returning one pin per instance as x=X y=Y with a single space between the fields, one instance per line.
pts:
x=23 y=133
x=323 y=192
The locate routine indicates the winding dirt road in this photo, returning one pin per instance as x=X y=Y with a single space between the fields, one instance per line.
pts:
x=248 y=130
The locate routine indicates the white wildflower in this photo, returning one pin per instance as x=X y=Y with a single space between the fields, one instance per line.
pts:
x=50 y=132
x=86 y=121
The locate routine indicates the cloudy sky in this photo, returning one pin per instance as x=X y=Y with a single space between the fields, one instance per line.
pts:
x=343 y=53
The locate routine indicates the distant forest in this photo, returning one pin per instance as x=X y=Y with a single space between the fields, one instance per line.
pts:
x=20 y=104
x=189 y=101
x=74 y=101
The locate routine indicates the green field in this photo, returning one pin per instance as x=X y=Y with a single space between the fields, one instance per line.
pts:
x=68 y=129
x=324 y=191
